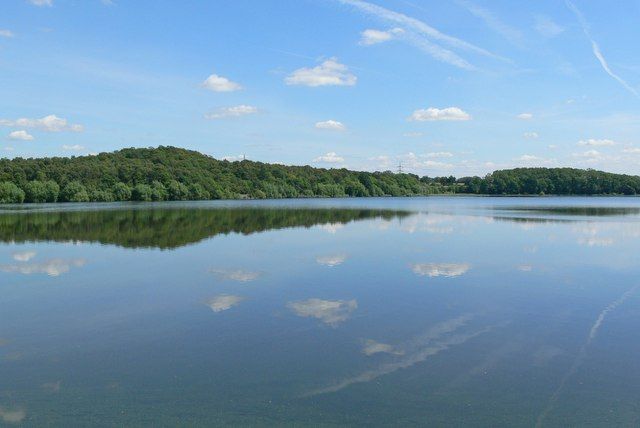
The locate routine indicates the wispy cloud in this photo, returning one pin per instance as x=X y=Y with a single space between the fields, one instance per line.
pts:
x=7 y=33
x=235 y=275
x=547 y=27
x=447 y=270
x=422 y=35
x=596 y=49
x=513 y=35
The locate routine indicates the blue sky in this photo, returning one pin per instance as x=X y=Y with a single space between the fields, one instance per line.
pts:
x=456 y=87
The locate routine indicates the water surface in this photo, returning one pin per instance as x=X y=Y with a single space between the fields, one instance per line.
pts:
x=423 y=311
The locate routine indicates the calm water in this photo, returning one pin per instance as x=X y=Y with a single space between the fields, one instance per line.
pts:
x=426 y=311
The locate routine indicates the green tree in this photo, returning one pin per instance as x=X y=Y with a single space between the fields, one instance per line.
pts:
x=121 y=192
x=10 y=193
x=74 y=192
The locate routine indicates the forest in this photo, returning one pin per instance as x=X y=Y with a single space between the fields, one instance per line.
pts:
x=170 y=173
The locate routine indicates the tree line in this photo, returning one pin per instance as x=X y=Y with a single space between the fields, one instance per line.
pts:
x=170 y=173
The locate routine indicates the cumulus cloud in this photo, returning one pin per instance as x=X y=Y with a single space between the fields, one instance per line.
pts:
x=596 y=143
x=20 y=135
x=235 y=111
x=331 y=260
x=447 y=270
x=12 y=416
x=329 y=73
x=51 y=123
x=217 y=83
x=224 y=302
x=235 y=275
x=6 y=33
x=332 y=125
x=547 y=27
x=54 y=267
x=588 y=154
x=631 y=150
x=434 y=114
x=330 y=157
x=330 y=312
x=24 y=256
x=530 y=135
x=525 y=116
x=72 y=148
x=372 y=37
x=371 y=347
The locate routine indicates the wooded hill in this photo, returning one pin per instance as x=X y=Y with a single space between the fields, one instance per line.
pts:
x=170 y=173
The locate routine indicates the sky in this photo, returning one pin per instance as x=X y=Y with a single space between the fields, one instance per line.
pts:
x=460 y=87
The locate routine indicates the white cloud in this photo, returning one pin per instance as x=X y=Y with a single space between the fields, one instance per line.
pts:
x=7 y=33
x=53 y=267
x=41 y=2
x=527 y=158
x=412 y=134
x=12 y=416
x=20 y=135
x=434 y=114
x=331 y=157
x=73 y=148
x=224 y=302
x=493 y=22
x=331 y=312
x=439 y=155
x=236 y=275
x=632 y=150
x=525 y=116
x=588 y=154
x=217 y=83
x=51 y=123
x=448 y=270
x=332 y=260
x=331 y=125
x=530 y=135
x=420 y=34
x=235 y=111
x=371 y=347
x=596 y=49
x=596 y=143
x=547 y=27
x=329 y=73
x=24 y=256
x=332 y=228
x=372 y=37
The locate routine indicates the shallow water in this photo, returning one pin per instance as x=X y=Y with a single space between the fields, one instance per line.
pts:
x=423 y=311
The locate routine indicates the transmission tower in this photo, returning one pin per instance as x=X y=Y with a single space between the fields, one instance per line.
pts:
x=400 y=167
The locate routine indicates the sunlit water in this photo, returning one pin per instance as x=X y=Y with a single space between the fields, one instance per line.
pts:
x=424 y=311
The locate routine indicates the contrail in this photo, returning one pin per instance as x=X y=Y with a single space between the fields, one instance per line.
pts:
x=418 y=33
x=583 y=352
x=422 y=349
x=596 y=49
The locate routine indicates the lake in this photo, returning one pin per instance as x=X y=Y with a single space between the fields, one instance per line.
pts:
x=441 y=311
